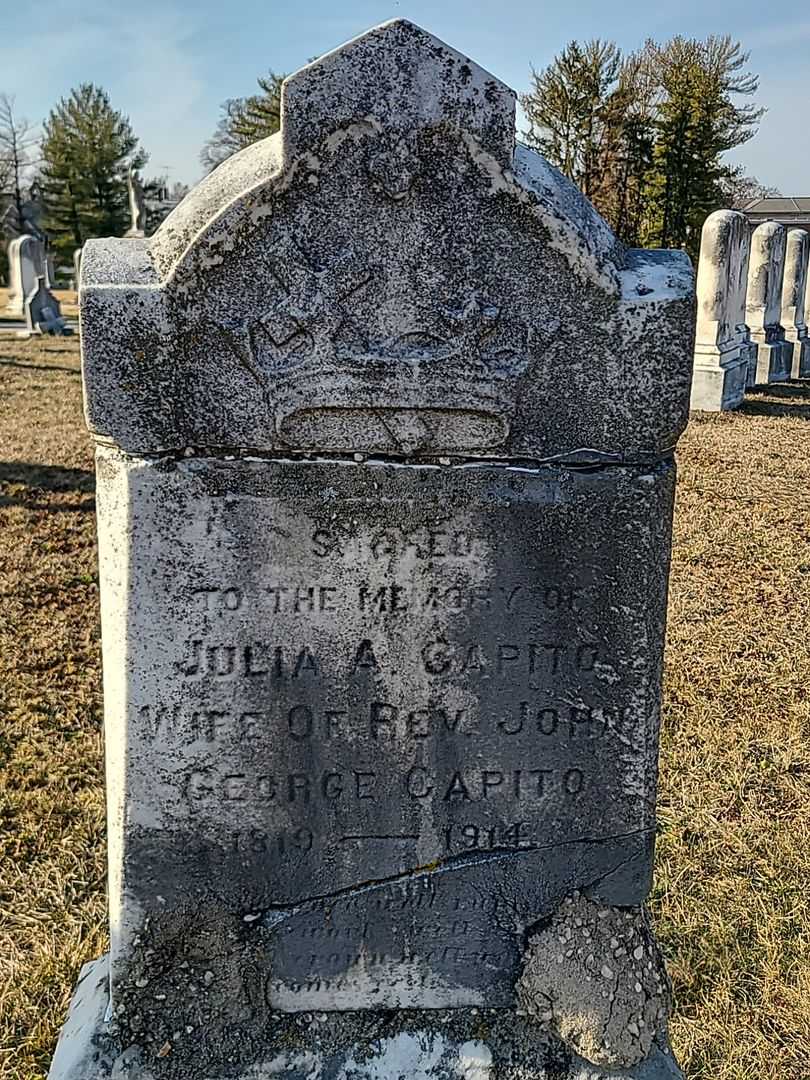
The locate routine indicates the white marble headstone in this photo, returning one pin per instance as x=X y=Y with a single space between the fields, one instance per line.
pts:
x=723 y=348
x=794 y=290
x=763 y=305
x=385 y=417
x=25 y=265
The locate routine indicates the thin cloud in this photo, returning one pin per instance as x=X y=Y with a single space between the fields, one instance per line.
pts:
x=145 y=62
x=783 y=35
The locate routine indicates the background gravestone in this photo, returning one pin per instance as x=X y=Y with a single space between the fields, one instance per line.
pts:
x=25 y=265
x=763 y=304
x=723 y=347
x=43 y=314
x=794 y=288
x=77 y=267
x=385 y=480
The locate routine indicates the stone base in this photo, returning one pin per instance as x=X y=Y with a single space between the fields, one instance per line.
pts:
x=774 y=362
x=750 y=354
x=800 y=367
x=721 y=387
x=458 y=1044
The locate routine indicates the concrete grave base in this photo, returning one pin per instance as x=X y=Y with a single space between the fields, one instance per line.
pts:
x=774 y=361
x=720 y=386
x=462 y=1044
x=800 y=367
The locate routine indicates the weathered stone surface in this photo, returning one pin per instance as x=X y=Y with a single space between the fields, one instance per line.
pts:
x=723 y=347
x=385 y=484
x=79 y=1052
x=595 y=974
x=416 y=664
x=763 y=304
x=278 y=305
x=458 y=1044
x=794 y=289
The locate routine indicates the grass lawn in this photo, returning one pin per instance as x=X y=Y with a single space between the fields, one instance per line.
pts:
x=731 y=898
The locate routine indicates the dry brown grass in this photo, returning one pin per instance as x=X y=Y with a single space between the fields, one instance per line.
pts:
x=733 y=866
x=51 y=793
x=731 y=895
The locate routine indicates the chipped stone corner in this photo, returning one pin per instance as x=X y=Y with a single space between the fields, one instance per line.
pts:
x=595 y=977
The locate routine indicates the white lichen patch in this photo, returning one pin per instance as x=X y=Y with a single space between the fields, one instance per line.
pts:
x=595 y=976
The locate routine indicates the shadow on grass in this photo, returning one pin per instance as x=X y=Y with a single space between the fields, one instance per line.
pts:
x=794 y=400
x=38 y=367
x=37 y=479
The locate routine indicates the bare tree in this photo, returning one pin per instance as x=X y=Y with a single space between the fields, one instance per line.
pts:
x=740 y=190
x=17 y=139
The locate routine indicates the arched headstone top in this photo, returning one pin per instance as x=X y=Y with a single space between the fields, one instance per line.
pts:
x=381 y=91
x=797 y=255
x=388 y=274
x=721 y=277
x=765 y=274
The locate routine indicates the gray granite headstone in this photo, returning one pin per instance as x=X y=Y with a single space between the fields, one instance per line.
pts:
x=385 y=421
x=42 y=311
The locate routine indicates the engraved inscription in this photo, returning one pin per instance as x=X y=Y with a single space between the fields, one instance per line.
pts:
x=355 y=689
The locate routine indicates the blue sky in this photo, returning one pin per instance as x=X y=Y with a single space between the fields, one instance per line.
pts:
x=169 y=64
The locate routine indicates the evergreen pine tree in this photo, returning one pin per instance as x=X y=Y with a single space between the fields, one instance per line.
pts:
x=698 y=120
x=572 y=108
x=644 y=136
x=588 y=114
x=87 y=151
x=245 y=121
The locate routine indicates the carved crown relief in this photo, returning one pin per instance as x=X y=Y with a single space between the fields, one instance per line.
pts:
x=349 y=363
x=372 y=334
x=312 y=311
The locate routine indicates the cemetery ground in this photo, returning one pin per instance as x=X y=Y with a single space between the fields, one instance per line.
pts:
x=733 y=859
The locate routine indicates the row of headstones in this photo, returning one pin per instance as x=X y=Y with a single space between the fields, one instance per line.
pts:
x=31 y=278
x=753 y=292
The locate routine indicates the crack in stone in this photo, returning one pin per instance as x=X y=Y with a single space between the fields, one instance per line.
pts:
x=273 y=914
x=578 y=460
